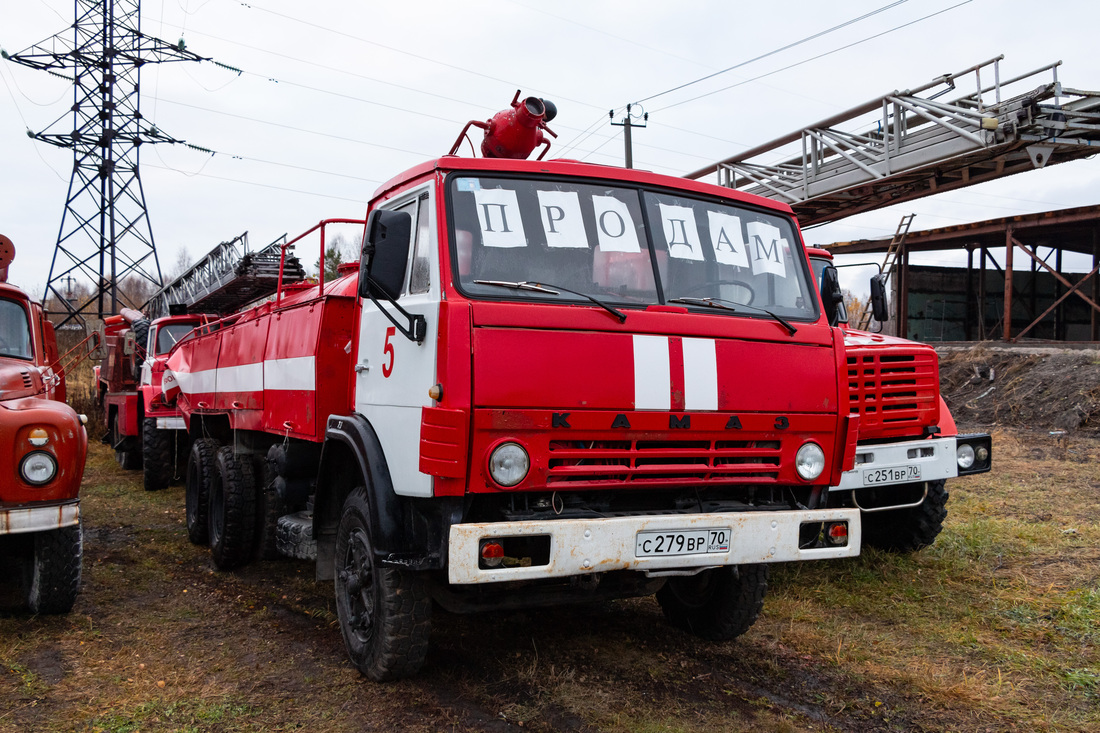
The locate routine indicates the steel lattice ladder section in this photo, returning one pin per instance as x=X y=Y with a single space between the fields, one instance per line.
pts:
x=228 y=278
x=888 y=263
x=913 y=145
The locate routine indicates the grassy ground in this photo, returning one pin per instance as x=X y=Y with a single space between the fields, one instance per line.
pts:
x=995 y=627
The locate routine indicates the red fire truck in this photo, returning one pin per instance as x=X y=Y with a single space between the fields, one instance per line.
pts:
x=144 y=432
x=548 y=382
x=43 y=445
x=908 y=443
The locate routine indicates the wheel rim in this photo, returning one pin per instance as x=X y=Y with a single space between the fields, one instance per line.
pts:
x=357 y=581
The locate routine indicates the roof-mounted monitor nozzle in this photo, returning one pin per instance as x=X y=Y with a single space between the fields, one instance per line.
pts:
x=515 y=132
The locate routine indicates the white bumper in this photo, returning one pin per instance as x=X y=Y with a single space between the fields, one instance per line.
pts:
x=584 y=546
x=170 y=423
x=895 y=463
x=39 y=518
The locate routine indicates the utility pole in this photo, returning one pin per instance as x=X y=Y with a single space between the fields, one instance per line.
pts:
x=627 y=124
x=105 y=203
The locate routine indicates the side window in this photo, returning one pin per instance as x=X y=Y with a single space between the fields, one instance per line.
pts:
x=420 y=279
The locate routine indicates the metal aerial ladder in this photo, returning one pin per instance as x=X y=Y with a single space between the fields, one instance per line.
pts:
x=228 y=278
x=905 y=145
x=888 y=263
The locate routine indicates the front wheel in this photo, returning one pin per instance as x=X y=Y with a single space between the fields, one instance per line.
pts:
x=717 y=604
x=911 y=529
x=385 y=613
x=53 y=570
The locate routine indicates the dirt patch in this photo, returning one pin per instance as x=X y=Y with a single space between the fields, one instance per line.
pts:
x=1034 y=389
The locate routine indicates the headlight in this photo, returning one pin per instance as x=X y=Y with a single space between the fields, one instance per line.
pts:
x=508 y=464
x=38 y=468
x=964 y=454
x=809 y=461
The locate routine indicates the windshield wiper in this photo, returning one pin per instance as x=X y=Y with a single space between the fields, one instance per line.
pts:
x=720 y=303
x=552 y=290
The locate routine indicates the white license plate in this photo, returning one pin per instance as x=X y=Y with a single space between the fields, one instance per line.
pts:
x=891 y=475
x=682 y=542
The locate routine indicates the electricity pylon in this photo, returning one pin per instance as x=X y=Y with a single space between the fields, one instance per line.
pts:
x=105 y=205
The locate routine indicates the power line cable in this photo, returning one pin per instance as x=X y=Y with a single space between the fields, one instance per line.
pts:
x=253 y=6
x=819 y=56
x=773 y=52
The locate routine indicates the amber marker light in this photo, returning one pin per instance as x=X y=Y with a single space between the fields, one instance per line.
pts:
x=38 y=437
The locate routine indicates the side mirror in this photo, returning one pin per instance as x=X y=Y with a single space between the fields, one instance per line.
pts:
x=831 y=294
x=385 y=254
x=128 y=343
x=879 y=307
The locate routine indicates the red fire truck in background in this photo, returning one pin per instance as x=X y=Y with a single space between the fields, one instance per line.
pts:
x=908 y=443
x=548 y=382
x=43 y=445
x=144 y=432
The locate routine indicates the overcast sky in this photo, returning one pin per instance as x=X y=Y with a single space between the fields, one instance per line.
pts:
x=335 y=98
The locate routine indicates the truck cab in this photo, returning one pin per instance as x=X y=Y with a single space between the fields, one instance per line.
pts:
x=43 y=445
x=908 y=443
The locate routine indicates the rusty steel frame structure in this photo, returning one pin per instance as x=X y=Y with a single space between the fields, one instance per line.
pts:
x=105 y=204
x=912 y=144
x=1074 y=230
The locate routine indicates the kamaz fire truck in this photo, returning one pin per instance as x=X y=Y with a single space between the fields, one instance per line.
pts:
x=547 y=382
x=908 y=443
x=43 y=445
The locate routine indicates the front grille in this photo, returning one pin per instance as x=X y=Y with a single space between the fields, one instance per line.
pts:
x=656 y=463
x=894 y=393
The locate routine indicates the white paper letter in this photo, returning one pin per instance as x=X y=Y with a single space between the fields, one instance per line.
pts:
x=614 y=225
x=561 y=219
x=681 y=234
x=725 y=236
x=766 y=248
x=498 y=215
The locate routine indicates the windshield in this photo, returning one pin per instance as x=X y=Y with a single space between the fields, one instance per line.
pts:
x=625 y=246
x=168 y=335
x=15 y=330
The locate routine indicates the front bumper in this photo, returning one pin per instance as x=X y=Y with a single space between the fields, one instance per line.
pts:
x=42 y=518
x=934 y=458
x=588 y=546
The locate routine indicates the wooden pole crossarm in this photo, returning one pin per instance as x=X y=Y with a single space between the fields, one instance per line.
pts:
x=1065 y=295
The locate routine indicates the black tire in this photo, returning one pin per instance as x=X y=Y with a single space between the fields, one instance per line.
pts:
x=232 y=509
x=385 y=613
x=200 y=474
x=295 y=536
x=270 y=509
x=127 y=454
x=53 y=571
x=158 y=455
x=908 y=530
x=140 y=327
x=717 y=604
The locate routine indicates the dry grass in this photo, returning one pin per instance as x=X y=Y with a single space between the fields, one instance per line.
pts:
x=994 y=627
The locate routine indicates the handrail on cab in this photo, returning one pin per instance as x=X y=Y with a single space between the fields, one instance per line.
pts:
x=321 y=275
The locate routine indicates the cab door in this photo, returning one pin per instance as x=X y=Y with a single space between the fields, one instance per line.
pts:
x=393 y=373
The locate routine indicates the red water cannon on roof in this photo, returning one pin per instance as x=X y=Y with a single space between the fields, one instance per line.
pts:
x=515 y=132
x=7 y=254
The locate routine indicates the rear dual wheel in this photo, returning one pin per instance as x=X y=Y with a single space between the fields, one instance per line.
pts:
x=200 y=475
x=232 y=512
x=158 y=455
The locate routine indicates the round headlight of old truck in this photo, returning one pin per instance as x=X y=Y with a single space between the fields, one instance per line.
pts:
x=508 y=464
x=964 y=454
x=38 y=468
x=809 y=461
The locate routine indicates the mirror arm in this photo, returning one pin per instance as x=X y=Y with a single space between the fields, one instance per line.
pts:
x=417 y=326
